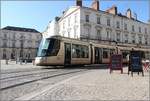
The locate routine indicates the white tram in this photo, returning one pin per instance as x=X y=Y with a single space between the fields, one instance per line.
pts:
x=66 y=51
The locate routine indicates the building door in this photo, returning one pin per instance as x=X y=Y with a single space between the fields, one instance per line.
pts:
x=67 y=54
x=4 y=54
x=98 y=55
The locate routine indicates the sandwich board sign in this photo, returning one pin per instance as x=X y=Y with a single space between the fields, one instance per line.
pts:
x=135 y=62
x=116 y=62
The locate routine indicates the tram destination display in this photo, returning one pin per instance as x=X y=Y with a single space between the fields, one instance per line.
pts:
x=136 y=62
x=116 y=62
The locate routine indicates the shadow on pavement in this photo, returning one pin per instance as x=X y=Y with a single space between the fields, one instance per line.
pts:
x=93 y=66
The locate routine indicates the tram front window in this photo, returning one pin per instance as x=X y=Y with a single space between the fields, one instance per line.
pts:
x=48 y=47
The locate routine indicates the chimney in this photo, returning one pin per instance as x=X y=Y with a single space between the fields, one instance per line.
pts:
x=112 y=10
x=129 y=13
x=95 y=5
x=79 y=3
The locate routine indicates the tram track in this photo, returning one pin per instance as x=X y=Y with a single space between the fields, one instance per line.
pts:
x=28 y=79
x=10 y=71
x=19 y=74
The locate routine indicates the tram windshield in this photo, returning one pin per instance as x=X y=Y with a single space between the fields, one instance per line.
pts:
x=48 y=47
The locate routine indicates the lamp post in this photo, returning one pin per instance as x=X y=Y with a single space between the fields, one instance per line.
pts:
x=21 y=52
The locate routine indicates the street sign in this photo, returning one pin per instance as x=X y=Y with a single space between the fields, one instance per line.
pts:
x=116 y=62
x=135 y=62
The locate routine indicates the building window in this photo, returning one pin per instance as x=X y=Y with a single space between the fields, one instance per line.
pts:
x=139 y=29
x=133 y=38
x=13 y=44
x=140 y=39
x=146 y=41
x=69 y=21
x=87 y=18
x=4 y=43
x=133 y=28
x=87 y=32
x=126 y=38
x=118 y=37
x=108 y=22
x=118 y=24
x=69 y=34
x=75 y=32
x=5 y=36
x=75 y=18
x=99 y=34
x=63 y=24
x=98 y=20
x=145 y=30
x=107 y=35
x=14 y=36
x=125 y=26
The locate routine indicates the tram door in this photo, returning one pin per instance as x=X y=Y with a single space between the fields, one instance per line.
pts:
x=98 y=55
x=67 y=54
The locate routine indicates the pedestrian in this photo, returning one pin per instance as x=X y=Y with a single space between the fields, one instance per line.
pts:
x=6 y=61
x=20 y=61
x=25 y=61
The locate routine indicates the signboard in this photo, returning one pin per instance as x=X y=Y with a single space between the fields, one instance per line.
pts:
x=135 y=62
x=116 y=62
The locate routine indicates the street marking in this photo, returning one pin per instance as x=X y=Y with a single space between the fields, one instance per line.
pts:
x=44 y=89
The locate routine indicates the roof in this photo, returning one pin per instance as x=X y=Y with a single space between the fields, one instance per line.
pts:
x=119 y=14
x=12 y=28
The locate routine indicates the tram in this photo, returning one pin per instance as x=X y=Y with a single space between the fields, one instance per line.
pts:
x=58 y=50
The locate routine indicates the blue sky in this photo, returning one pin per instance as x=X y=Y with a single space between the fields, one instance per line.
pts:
x=37 y=14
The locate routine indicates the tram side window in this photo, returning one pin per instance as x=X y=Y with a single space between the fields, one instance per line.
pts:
x=79 y=51
x=125 y=54
x=105 y=53
x=112 y=51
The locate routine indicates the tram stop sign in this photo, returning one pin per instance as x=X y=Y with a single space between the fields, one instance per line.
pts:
x=135 y=62
x=116 y=62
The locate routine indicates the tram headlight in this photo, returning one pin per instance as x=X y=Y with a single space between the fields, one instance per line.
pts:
x=40 y=60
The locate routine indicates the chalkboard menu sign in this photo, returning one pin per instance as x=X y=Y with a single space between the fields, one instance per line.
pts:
x=135 y=62
x=116 y=62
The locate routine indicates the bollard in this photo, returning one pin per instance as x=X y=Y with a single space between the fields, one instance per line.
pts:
x=33 y=62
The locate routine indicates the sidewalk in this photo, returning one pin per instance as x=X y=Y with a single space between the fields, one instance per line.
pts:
x=98 y=84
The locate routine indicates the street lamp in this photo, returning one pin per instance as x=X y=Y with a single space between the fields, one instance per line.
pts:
x=22 y=46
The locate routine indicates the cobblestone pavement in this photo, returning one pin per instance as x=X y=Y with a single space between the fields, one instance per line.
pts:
x=17 y=80
x=12 y=65
x=100 y=85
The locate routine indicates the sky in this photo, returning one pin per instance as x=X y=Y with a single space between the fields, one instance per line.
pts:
x=37 y=14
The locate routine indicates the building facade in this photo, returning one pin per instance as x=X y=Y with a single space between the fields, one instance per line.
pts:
x=19 y=43
x=90 y=23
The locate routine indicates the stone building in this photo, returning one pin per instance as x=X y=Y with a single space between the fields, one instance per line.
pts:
x=91 y=23
x=17 y=42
